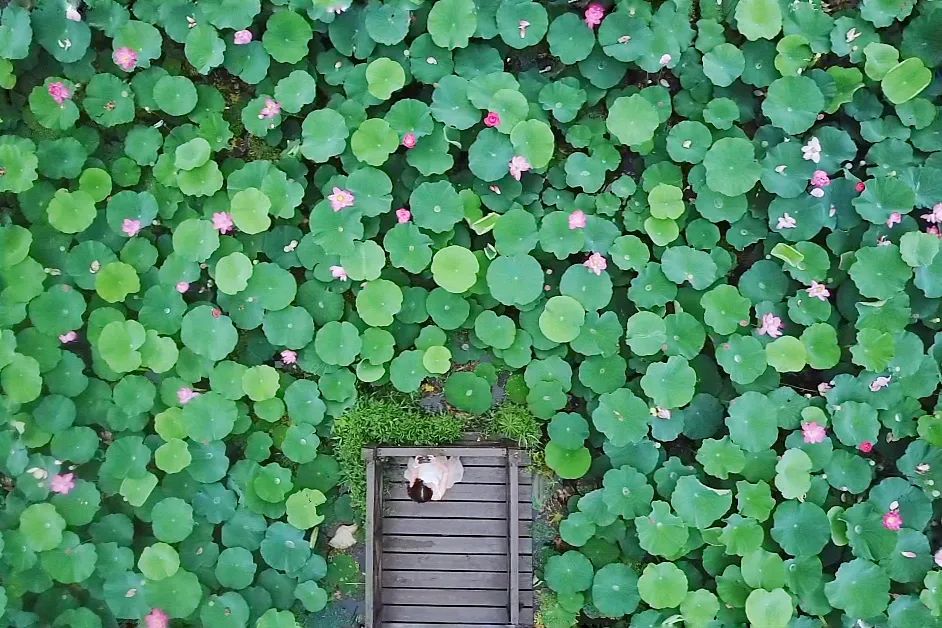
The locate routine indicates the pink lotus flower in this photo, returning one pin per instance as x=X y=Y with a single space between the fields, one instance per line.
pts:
x=222 y=222
x=71 y=13
x=880 y=383
x=62 y=484
x=271 y=109
x=813 y=433
x=934 y=230
x=341 y=198
x=661 y=413
x=59 y=92
x=860 y=187
x=786 y=221
x=182 y=287
x=157 y=619
x=289 y=357
x=594 y=14
x=130 y=227
x=596 y=263
x=242 y=37
x=577 y=219
x=68 y=337
x=664 y=60
x=492 y=119
x=125 y=58
x=338 y=272
x=403 y=215
x=408 y=140
x=820 y=179
x=819 y=291
x=771 y=326
x=518 y=165
x=893 y=520
x=185 y=395
x=866 y=447
x=812 y=150
x=824 y=388
x=894 y=219
x=935 y=216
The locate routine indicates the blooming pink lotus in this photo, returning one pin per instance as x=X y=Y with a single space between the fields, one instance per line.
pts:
x=340 y=199
x=819 y=291
x=786 y=221
x=771 y=326
x=59 y=92
x=408 y=140
x=824 y=388
x=812 y=150
x=935 y=216
x=131 y=227
x=403 y=215
x=664 y=60
x=594 y=14
x=62 y=484
x=577 y=219
x=820 y=179
x=157 y=619
x=860 y=187
x=894 y=219
x=71 y=13
x=492 y=119
x=185 y=395
x=242 y=37
x=893 y=520
x=813 y=433
x=880 y=383
x=596 y=263
x=125 y=58
x=271 y=109
x=518 y=165
x=289 y=357
x=182 y=286
x=865 y=447
x=338 y=272
x=222 y=222
x=68 y=337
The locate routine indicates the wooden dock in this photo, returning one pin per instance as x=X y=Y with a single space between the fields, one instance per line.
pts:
x=463 y=562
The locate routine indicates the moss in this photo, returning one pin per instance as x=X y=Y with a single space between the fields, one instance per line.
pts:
x=387 y=420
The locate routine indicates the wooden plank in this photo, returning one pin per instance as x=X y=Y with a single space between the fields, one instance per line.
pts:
x=371 y=568
x=449 y=545
x=452 y=562
x=452 y=509
x=465 y=492
x=453 y=527
x=412 y=624
x=449 y=615
x=467 y=461
x=411 y=452
x=513 y=517
x=450 y=597
x=472 y=475
x=492 y=580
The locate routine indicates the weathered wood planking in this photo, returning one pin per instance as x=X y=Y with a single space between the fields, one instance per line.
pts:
x=461 y=562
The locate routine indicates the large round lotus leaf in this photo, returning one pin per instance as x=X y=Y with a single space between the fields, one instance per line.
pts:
x=451 y=23
x=562 y=319
x=731 y=166
x=906 y=80
x=115 y=281
x=792 y=477
x=801 y=529
x=534 y=140
x=622 y=417
x=455 y=269
x=793 y=104
x=178 y=596
x=324 y=133
x=195 y=240
x=235 y=568
x=260 y=382
x=436 y=206
x=208 y=333
x=515 y=279
x=41 y=527
x=571 y=464
x=661 y=533
x=378 y=302
x=374 y=141
x=769 y=608
x=632 y=120
x=286 y=36
x=284 y=546
x=753 y=421
x=384 y=76
x=468 y=392
x=670 y=384
x=662 y=585
x=568 y=573
x=568 y=430
x=172 y=520
x=158 y=561
x=759 y=19
x=699 y=505
x=233 y=272
x=861 y=589
x=615 y=590
x=175 y=95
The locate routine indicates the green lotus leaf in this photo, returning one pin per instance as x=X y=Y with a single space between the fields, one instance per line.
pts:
x=905 y=80
x=662 y=585
x=632 y=120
